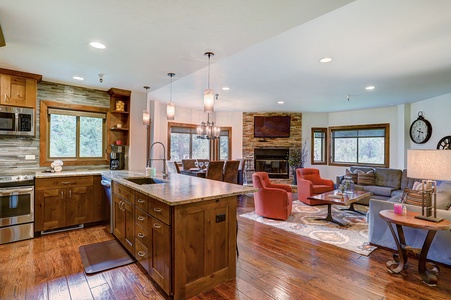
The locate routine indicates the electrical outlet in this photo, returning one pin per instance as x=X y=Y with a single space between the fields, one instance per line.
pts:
x=30 y=156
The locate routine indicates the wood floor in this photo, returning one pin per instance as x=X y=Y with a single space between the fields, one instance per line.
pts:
x=273 y=264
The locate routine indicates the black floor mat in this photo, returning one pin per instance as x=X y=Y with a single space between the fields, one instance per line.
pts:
x=103 y=256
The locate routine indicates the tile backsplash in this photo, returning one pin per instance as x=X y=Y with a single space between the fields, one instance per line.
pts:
x=14 y=150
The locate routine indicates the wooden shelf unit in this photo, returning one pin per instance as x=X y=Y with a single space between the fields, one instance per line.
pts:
x=121 y=117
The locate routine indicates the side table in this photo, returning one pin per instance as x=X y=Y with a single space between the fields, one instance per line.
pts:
x=400 y=259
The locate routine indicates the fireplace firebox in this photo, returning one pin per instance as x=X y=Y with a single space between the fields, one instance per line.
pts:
x=273 y=161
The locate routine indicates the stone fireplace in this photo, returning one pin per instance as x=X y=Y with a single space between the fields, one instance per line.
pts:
x=273 y=161
x=250 y=143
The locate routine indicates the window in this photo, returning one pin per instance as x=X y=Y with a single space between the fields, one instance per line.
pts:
x=319 y=146
x=184 y=144
x=364 y=145
x=74 y=134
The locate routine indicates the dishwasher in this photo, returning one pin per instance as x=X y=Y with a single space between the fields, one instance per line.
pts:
x=106 y=182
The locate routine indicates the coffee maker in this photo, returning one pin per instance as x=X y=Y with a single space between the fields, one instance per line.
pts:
x=117 y=157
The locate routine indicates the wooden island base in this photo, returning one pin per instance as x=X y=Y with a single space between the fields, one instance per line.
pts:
x=186 y=248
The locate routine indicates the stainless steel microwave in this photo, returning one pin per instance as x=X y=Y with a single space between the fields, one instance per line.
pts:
x=16 y=121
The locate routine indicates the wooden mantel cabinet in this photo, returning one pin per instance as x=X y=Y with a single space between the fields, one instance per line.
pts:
x=187 y=248
x=68 y=201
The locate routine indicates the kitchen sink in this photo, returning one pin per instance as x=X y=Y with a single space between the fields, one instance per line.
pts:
x=144 y=180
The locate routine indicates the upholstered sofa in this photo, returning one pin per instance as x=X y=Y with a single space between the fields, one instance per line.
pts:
x=379 y=234
x=387 y=182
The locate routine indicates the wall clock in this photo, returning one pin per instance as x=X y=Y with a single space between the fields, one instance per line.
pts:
x=420 y=130
x=444 y=143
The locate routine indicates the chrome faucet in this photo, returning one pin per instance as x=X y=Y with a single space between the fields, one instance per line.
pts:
x=149 y=161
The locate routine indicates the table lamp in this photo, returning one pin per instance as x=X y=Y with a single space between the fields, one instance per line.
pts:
x=431 y=165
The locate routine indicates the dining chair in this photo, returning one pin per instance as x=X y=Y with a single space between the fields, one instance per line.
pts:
x=173 y=167
x=231 y=171
x=214 y=170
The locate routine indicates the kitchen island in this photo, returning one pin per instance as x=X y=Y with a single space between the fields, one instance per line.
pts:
x=182 y=230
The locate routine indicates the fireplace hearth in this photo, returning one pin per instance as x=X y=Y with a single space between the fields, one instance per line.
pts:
x=273 y=161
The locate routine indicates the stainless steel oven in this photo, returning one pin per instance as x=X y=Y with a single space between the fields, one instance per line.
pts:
x=16 y=208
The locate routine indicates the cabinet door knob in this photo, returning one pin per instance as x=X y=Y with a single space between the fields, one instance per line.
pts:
x=157 y=209
x=141 y=218
x=140 y=235
x=140 y=201
x=157 y=226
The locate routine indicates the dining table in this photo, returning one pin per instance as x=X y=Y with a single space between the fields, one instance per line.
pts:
x=197 y=172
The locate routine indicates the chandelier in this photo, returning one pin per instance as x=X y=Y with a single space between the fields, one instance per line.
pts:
x=208 y=130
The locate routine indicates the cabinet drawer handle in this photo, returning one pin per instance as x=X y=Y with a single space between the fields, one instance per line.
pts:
x=141 y=253
x=141 y=218
x=66 y=182
x=140 y=201
x=157 y=209
x=157 y=226
x=140 y=235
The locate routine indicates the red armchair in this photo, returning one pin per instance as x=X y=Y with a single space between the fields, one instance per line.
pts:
x=310 y=183
x=272 y=200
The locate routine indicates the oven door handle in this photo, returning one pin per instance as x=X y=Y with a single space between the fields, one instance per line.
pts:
x=15 y=190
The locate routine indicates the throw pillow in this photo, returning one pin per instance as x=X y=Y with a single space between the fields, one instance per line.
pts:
x=444 y=195
x=353 y=175
x=365 y=178
x=412 y=197
x=417 y=186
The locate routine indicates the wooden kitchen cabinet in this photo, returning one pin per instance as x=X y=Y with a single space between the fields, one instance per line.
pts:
x=18 y=88
x=62 y=202
x=160 y=253
x=123 y=212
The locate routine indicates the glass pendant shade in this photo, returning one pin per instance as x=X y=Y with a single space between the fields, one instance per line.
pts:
x=146 y=118
x=170 y=111
x=209 y=100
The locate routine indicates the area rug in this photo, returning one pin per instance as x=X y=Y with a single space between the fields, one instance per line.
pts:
x=353 y=236
x=103 y=256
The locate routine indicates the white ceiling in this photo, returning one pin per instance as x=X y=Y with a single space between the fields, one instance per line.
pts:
x=265 y=51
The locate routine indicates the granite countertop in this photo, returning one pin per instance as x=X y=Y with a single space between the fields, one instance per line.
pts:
x=177 y=189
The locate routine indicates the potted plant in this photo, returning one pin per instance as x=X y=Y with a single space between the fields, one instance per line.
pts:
x=297 y=159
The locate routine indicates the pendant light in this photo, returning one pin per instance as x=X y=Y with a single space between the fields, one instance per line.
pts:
x=170 y=109
x=146 y=114
x=209 y=94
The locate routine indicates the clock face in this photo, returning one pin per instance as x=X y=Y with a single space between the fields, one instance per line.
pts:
x=444 y=143
x=420 y=131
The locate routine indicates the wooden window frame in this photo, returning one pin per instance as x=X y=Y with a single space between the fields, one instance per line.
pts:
x=385 y=126
x=214 y=144
x=44 y=139
x=325 y=146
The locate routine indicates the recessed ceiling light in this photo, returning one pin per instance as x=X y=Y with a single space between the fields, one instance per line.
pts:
x=369 y=88
x=280 y=102
x=78 y=78
x=97 y=45
x=325 y=59
x=225 y=88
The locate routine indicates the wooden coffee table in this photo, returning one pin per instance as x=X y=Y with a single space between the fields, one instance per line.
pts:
x=338 y=198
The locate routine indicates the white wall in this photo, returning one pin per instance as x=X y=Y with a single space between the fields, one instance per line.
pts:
x=437 y=110
x=137 y=149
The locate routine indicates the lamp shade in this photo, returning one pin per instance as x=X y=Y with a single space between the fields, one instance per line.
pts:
x=429 y=164
x=170 y=111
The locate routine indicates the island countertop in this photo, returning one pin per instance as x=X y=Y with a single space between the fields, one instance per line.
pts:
x=180 y=189
x=177 y=189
